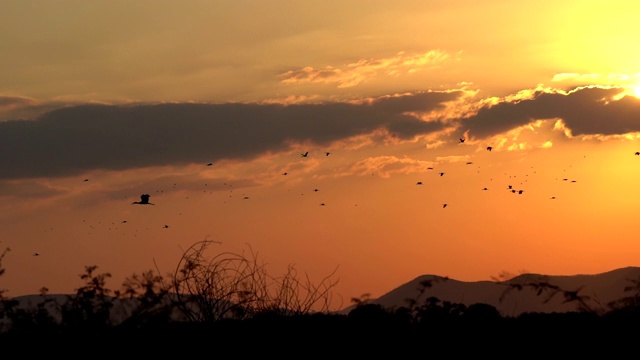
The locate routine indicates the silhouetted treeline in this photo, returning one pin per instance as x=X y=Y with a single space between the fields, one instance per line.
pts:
x=231 y=302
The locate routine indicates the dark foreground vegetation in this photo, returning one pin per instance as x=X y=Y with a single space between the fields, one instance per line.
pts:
x=229 y=306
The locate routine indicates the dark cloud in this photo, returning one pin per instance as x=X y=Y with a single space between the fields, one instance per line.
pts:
x=14 y=101
x=586 y=111
x=75 y=139
x=18 y=107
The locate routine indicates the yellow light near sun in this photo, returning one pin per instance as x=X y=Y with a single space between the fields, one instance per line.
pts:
x=629 y=90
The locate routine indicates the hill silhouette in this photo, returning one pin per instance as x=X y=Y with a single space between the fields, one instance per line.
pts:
x=524 y=293
x=229 y=302
x=444 y=316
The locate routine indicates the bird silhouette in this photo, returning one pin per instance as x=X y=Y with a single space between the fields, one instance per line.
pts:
x=637 y=152
x=209 y=164
x=305 y=154
x=441 y=174
x=327 y=153
x=419 y=183
x=36 y=254
x=462 y=140
x=444 y=206
x=489 y=148
x=144 y=200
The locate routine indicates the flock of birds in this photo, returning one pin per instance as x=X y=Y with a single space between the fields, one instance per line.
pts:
x=145 y=197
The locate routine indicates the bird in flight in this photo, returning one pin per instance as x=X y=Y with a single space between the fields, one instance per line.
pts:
x=444 y=205
x=441 y=174
x=489 y=148
x=419 y=183
x=327 y=153
x=462 y=140
x=305 y=154
x=637 y=152
x=209 y=164
x=36 y=254
x=144 y=200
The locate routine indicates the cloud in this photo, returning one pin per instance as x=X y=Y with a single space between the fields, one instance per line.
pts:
x=11 y=102
x=385 y=166
x=80 y=138
x=585 y=111
x=25 y=108
x=356 y=73
x=77 y=139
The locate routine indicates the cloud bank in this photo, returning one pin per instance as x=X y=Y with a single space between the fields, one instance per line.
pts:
x=80 y=138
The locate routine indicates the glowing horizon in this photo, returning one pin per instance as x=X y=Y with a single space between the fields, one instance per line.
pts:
x=208 y=107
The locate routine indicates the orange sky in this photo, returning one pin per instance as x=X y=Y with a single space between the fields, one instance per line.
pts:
x=140 y=97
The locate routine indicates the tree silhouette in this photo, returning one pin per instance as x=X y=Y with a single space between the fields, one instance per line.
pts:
x=90 y=306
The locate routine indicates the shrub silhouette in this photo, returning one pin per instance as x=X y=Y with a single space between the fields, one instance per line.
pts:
x=2 y=270
x=149 y=299
x=228 y=286
x=231 y=297
x=26 y=320
x=235 y=286
x=90 y=307
x=543 y=287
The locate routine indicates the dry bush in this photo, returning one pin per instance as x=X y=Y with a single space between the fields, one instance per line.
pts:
x=238 y=286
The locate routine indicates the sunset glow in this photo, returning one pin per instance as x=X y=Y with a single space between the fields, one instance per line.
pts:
x=320 y=134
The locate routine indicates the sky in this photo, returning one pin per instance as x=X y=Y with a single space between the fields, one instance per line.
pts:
x=522 y=117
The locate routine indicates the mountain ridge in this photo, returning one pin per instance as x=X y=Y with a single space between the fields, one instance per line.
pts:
x=524 y=293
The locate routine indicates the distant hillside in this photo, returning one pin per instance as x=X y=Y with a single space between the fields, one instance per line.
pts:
x=597 y=291
x=511 y=297
x=121 y=310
